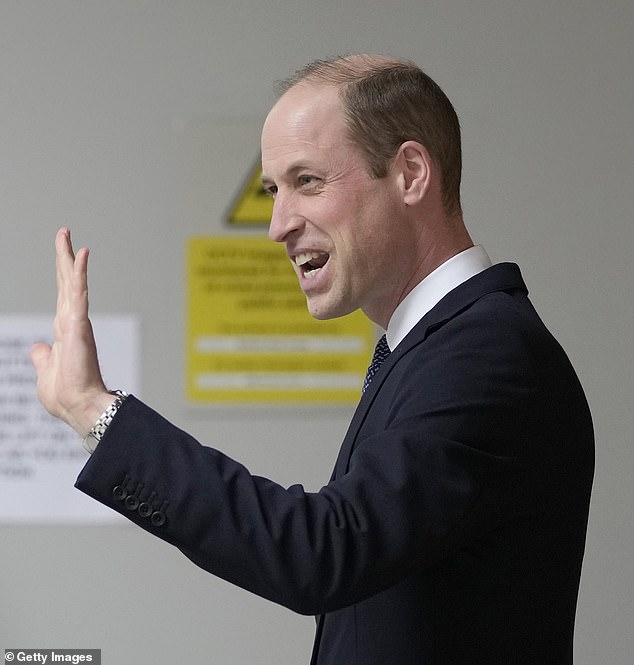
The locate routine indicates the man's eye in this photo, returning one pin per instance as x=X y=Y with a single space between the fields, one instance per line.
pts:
x=271 y=190
x=309 y=180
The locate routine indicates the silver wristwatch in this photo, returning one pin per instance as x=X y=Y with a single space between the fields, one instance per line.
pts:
x=99 y=428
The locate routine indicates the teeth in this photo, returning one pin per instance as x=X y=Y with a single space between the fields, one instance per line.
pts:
x=305 y=257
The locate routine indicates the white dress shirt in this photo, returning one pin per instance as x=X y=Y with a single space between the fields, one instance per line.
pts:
x=432 y=289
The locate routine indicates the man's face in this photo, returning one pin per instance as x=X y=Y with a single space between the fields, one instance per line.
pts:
x=340 y=226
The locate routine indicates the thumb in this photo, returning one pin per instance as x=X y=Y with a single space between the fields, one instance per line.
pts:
x=40 y=353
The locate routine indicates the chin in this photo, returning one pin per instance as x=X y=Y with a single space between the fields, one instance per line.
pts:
x=319 y=313
x=324 y=311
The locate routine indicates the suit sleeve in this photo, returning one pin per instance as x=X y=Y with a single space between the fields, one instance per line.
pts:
x=434 y=465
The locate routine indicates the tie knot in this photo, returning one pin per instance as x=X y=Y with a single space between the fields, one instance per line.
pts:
x=381 y=352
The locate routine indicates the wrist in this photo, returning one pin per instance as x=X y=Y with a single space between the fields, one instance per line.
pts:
x=82 y=417
x=101 y=424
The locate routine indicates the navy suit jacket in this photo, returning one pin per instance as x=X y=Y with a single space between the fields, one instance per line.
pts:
x=452 y=530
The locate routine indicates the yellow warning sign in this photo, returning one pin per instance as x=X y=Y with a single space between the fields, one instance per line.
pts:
x=250 y=337
x=253 y=205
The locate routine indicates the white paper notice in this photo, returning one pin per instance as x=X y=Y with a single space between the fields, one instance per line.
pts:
x=40 y=457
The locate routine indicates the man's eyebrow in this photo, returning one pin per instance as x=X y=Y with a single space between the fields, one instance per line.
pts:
x=289 y=173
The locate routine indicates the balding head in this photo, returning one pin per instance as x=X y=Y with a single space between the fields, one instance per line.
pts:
x=386 y=102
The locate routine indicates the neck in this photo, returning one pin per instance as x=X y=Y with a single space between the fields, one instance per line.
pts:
x=429 y=254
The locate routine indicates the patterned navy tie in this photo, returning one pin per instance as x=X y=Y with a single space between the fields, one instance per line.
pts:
x=381 y=352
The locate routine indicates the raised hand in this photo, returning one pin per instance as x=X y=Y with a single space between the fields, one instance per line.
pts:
x=69 y=382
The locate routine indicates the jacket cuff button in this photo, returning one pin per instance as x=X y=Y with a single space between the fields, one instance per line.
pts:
x=145 y=510
x=158 y=518
x=119 y=493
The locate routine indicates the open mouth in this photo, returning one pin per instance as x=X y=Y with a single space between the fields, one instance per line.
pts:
x=310 y=263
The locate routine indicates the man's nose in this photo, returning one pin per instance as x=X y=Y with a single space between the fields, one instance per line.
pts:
x=284 y=219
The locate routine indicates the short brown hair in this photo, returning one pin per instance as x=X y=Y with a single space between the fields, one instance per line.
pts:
x=388 y=102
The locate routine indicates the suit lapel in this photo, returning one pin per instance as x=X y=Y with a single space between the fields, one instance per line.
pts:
x=500 y=277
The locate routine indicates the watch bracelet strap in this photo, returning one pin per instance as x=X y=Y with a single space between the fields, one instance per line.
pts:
x=95 y=435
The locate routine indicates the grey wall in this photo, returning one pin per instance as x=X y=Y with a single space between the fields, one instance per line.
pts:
x=136 y=121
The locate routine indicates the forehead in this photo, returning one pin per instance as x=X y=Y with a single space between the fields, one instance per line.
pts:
x=306 y=116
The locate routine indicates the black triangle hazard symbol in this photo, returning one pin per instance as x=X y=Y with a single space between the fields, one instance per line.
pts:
x=253 y=205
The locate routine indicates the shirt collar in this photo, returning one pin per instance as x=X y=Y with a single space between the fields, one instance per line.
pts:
x=426 y=294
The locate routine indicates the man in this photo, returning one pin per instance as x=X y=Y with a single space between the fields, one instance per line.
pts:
x=453 y=527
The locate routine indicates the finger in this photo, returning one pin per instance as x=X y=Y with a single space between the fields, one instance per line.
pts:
x=79 y=285
x=62 y=239
x=72 y=279
x=64 y=260
x=63 y=246
x=80 y=266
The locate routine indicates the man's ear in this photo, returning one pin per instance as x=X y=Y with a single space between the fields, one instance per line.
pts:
x=415 y=171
